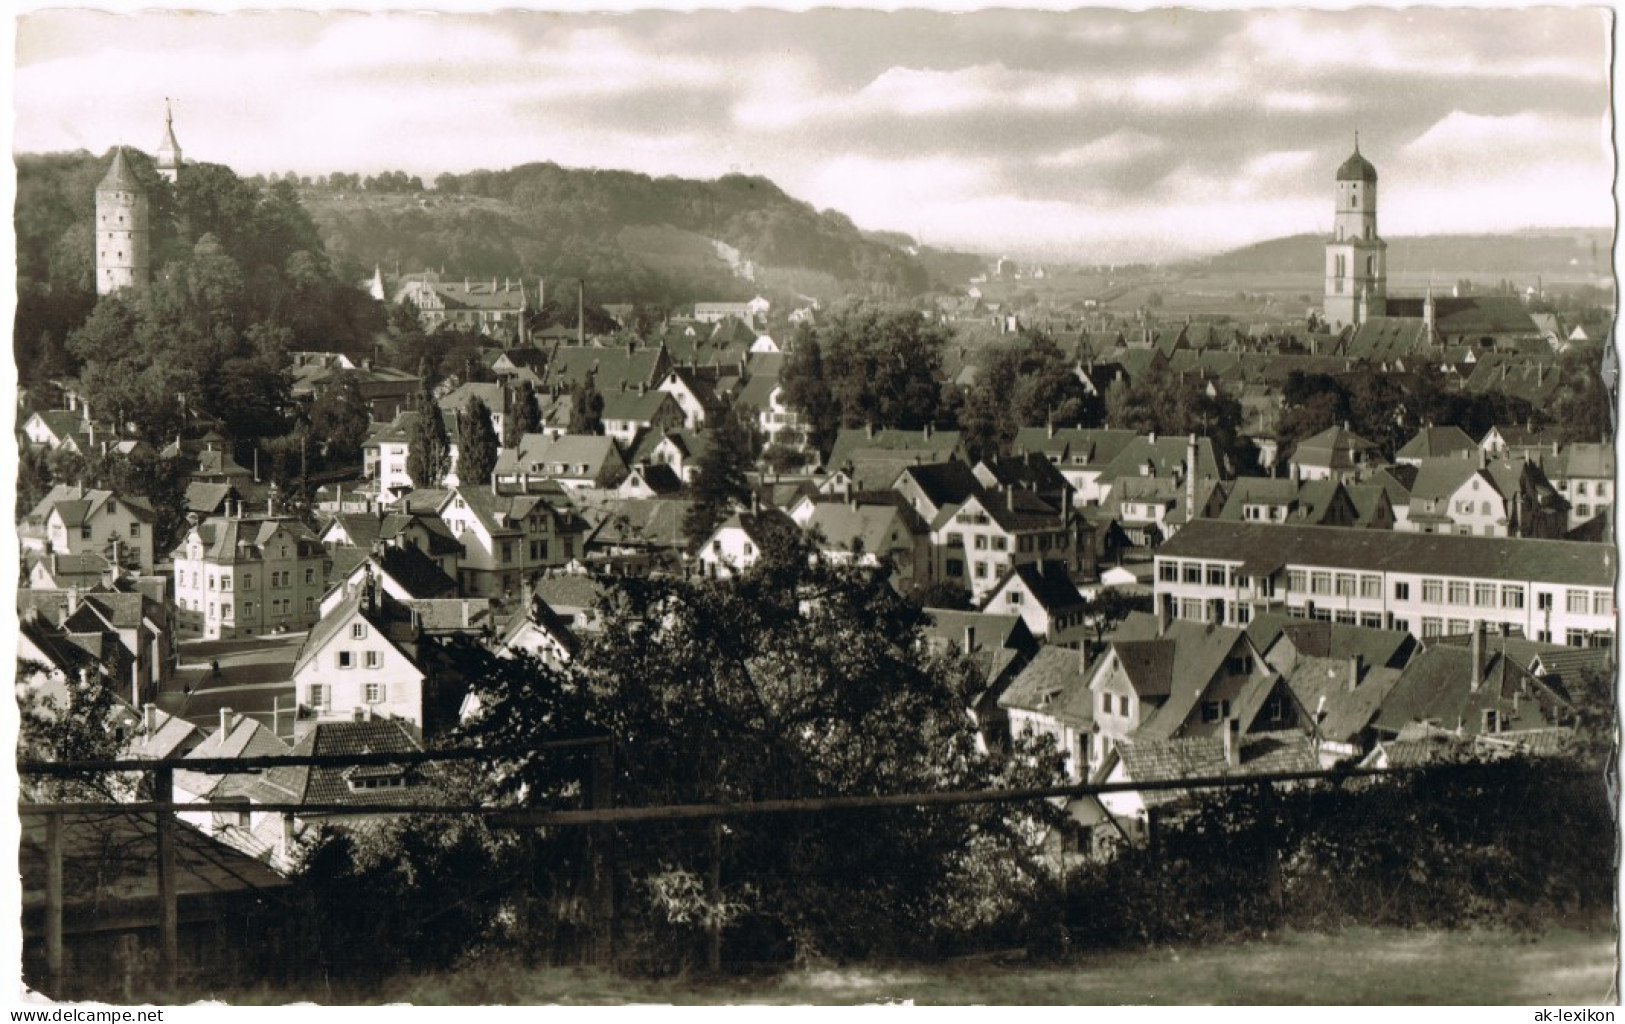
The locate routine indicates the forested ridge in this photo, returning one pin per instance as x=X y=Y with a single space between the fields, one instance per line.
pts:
x=543 y=220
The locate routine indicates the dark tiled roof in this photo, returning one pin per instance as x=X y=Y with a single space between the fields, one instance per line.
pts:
x=1188 y=757
x=415 y=571
x=1508 y=558
x=1055 y=681
x=319 y=785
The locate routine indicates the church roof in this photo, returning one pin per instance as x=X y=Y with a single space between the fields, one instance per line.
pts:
x=119 y=177
x=1357 y=168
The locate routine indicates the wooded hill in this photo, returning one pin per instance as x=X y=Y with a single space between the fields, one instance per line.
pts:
x=1573 y=254
x=632 y=237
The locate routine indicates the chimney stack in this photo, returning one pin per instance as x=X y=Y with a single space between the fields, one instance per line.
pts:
x=149 y=718
x=1354 y=672
x=1232 y=743
x=225 y=725
x=970 y=639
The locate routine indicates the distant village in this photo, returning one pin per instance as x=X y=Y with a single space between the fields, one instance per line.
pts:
x=1156 y=609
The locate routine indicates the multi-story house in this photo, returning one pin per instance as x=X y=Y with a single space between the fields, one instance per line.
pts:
x=73 y=520
x=628 y=414
x=1335 y=453
x=496 y=397
x=506 y=538
x=142 y=629
x=572 y=461
x=1584 y=475
x=247 y=575
x=1510 y=498
x=858 y=533
x=976 y=541
x=384 y=454
x=1428 y=585
x=738 y=542
x=1047 y=600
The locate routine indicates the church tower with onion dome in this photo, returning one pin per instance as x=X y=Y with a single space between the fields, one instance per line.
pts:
x=1356 y=256
x=121 y=228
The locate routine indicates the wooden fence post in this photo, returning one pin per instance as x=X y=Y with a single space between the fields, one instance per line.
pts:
x=53 y=905
x=601 y=855
x=163 y=786
x=713 y=894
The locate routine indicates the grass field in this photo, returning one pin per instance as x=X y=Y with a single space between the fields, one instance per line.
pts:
x=1355 y=967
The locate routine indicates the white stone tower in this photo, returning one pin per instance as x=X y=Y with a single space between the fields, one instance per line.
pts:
x=1356 y=256
x=121 y=229
x=168 y=158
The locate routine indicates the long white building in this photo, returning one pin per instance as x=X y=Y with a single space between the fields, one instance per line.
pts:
x=1430 y=585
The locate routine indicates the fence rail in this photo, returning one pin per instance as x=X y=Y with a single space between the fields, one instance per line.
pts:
x=600 y=815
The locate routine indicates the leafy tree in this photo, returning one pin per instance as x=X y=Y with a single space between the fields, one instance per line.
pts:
x=1581 y=408
x=339 y=415
x=798 y=679
x=883 y=367
x=719 y=481
x=807 y=389
x=476 y=444
x=586 y=408
x=1023 y=383
x=526 y=417
x=428 y=451
x=1178 y=404
x=1111 y=606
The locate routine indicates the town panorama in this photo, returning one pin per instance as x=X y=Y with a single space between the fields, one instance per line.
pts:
x=717 y=544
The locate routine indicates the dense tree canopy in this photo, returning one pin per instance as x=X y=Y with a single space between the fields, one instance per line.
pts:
x=476 y=444
x=873 y=366
x=1026 y=382
x=797 y=679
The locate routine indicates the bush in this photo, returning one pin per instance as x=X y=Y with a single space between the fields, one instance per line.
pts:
x=1509 y=843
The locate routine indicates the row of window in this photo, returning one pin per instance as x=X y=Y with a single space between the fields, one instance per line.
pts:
x=320 y=695
x=279 y=579
x=347 y=659
x=276 y=606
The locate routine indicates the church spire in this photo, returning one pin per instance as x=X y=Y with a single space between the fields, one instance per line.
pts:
x=168 y=160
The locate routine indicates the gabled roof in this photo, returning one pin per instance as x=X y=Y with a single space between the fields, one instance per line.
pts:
x=245 y=737
x=1345 y=706
x=568 y=590
x=660 y=479
x=845 y=525
x=1189 y=757
x=414 y=571
x=942 y=483
x=1333 y=448
x=852 y=445
x=1048 y=582
x=1437 y=688
x=1178 y=665
x=636 y=407
x=642 y=522
x=1434 y=442
x=1390 y=648
x=361 y=529
x=1055 y=682
x=323 y=785
x=543 y=455
x=330 y=625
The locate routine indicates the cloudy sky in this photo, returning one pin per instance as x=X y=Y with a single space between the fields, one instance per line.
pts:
x=1089 y=135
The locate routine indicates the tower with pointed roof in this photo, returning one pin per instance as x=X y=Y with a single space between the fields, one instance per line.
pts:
x=1356 y=256
x=168 y=157
x=121 y=228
